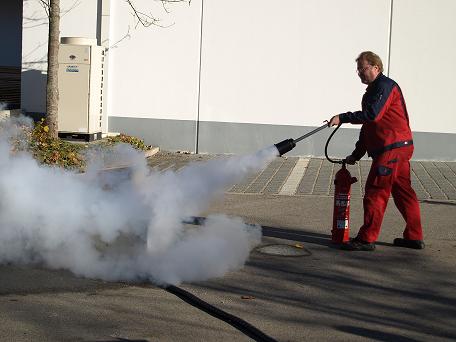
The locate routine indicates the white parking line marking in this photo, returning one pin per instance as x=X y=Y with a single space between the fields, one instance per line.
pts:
x=293 y=180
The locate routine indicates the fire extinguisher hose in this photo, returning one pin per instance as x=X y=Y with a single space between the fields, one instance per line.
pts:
x=342 y=161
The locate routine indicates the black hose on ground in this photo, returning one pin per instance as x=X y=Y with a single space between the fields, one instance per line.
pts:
x=234 y=321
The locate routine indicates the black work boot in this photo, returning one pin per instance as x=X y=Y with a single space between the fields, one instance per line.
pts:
x=358 y=245
x=415 y=244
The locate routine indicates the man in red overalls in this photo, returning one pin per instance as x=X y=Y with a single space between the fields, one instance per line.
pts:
x=386 y=137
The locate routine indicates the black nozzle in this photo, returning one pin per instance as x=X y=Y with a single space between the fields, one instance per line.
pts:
x=285 y=146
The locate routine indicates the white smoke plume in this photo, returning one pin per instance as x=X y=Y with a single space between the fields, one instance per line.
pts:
x=124 y=225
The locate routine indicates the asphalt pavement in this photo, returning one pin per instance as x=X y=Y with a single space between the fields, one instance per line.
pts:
x=296 y=286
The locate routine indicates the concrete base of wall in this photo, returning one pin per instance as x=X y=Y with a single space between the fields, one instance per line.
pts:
x=242 y=138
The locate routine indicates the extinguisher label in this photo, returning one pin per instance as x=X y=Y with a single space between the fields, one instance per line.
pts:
x=342 y=196
x=341 y=203
x=342 y=224
x=342 y=200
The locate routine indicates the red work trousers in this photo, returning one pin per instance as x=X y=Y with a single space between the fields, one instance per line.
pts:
x=390 y=175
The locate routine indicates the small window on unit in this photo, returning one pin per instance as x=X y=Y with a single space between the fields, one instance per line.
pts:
x=101 y=111
x=100 y=124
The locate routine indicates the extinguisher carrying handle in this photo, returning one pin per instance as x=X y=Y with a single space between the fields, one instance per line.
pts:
x=341 y=161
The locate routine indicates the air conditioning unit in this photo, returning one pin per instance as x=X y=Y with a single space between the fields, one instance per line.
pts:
x=80 y=115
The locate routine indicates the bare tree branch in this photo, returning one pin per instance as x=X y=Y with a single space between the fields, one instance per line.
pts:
x=75 y=4
x=165 y=2
x=147 y=20
x=46 y=6
x=126 y=36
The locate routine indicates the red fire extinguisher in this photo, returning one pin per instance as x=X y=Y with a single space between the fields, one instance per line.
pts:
x=341 y=214
x=343 y=180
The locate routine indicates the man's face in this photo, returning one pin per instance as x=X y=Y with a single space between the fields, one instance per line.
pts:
x=366 y=72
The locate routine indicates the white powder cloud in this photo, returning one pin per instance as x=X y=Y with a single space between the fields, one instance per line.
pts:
x=124 y=225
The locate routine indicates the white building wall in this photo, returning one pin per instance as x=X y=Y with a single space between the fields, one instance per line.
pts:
x=264 y=63
x=288 y=64
x=423 y=54
x=154 y=70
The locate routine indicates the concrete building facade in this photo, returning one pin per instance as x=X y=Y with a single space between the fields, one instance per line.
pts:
x=234 y=76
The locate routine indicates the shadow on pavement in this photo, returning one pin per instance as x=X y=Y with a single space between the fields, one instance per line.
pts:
x=306 y=236
x=375 y=334
x=298 y=235
x=393 y=294
x=120 y=340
